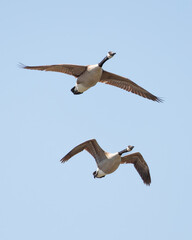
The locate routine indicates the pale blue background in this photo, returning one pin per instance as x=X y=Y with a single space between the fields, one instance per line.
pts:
x=41 y=120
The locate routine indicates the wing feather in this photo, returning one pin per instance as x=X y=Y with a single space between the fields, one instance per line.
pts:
x=139 y=164
x=127 y=84
x=74 y=70
x=90 y=146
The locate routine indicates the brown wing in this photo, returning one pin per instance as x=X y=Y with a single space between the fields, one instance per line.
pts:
x=140 y=165
x=75 y=70
x=127 y=84
x=91 y=146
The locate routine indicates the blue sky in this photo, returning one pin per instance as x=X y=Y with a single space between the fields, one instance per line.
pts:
x=41 y=120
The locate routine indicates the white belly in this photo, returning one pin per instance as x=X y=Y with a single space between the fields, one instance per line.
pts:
x=100 y=173
x=89 y=78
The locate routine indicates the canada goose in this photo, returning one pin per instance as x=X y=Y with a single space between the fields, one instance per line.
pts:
x=89 y=76
x=109 y=162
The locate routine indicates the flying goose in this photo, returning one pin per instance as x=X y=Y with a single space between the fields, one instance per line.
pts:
x=109 y=162
x=89 y=76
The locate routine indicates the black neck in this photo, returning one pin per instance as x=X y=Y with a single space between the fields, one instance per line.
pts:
x=103 y=61
x=123 y=151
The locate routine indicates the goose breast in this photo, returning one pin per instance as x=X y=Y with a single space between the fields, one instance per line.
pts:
x=90 y=77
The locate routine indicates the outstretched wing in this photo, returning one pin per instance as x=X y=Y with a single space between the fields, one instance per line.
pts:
x=91 y=146
x=75 y=70
x=140 y=165
x=127 y=84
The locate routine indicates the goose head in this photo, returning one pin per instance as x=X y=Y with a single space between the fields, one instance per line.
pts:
x=128 y=149
x=110 y=54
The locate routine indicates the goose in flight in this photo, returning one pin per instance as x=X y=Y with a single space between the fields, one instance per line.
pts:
x=109 y=162
x=89 y=76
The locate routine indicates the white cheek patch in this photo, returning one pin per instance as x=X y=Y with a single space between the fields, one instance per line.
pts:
x=128 y=149
x=109 y=56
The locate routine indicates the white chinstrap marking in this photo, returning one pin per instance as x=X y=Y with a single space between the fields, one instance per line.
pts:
x=109 y=56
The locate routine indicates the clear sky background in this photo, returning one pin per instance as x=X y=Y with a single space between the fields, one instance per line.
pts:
x=41 y=120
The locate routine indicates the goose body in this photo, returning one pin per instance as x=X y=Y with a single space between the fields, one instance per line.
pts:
x=89 y=76
x=110 y=163
x=107 y=163
x=92 y=76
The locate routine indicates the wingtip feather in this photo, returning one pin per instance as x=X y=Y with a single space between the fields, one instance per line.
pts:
x=159 y=100
x=21 y=65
